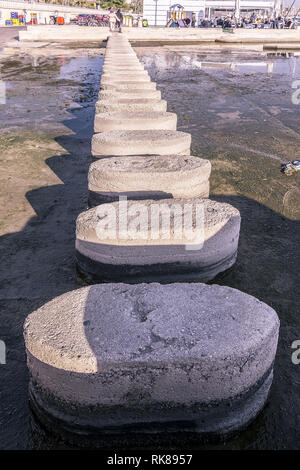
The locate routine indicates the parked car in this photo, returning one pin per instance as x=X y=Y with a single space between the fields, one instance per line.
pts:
x=91 y=20
x=82 y=20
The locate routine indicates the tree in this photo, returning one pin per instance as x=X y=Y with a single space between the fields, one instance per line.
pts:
x=136 y=6
x=115 y=4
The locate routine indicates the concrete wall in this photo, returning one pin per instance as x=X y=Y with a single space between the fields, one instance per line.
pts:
x=78 y=33
x=65 y=33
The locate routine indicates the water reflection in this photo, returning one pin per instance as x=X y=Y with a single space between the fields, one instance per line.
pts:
x=242 y=62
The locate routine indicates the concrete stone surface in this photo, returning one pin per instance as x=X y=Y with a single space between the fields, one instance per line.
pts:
x=142 y=120
x=126 y=73
x=149 y=142
x=120 y=55
x=156 y=177
x=130 y=104
x=123 y=61
x=157 y=240
x=116 y=68
x=118 y=46
x=133 y=94
x=126 y=84
x=140 y=77
x=122 y=359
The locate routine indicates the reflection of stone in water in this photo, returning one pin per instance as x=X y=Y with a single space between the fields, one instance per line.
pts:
x=291 y=204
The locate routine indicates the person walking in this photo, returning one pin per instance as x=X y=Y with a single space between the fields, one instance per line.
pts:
x=112 y=20
x=119 y=20
x=194 y=19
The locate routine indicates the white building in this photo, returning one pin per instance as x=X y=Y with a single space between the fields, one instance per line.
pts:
x=157 y=11
x=39 y=13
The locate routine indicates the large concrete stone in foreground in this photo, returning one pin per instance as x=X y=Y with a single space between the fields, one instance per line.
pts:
x=126 y=84
x=142 y=120
x=156 y=177
x=116 y=362
x=149 y=142
x=130 y=104
x=150 y=240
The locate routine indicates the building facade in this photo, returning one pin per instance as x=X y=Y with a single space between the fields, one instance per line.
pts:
x=157 y=12
x=36 y=12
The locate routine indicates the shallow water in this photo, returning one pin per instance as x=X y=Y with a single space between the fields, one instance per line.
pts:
x=237 y=105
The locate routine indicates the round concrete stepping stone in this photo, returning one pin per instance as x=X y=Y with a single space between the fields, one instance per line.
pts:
x=113 y=68
x=130 y=104
x=118 y=48
x=128 y=73
x=120 y=54
x=149 y=142
x=125 y=63
x=121 y=61
x=170 y=361
x=108 y=77
x=171 y=240
x=129 y=94
x=155 y=177
x=126 y=84
x=118 y=45
x=142 y=120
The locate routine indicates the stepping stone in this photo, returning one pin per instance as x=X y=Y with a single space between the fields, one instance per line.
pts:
x=108 y=77
x=132 y=363
x=114 y=68
x=126 y=84
x=125 y=63
x=132 y=94
x=126 y=73
x=157 y=241
x=156 y=177
x=120 y=55
x=149 y=142
x=142 y=120
x=118 y=48
x=130 y=104
x=123 y=60
x=118 y=45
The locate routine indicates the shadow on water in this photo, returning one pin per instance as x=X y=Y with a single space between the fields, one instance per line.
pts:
x=38 y=264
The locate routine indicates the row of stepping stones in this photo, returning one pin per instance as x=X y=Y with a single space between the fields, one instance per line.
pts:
x=133 y=358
